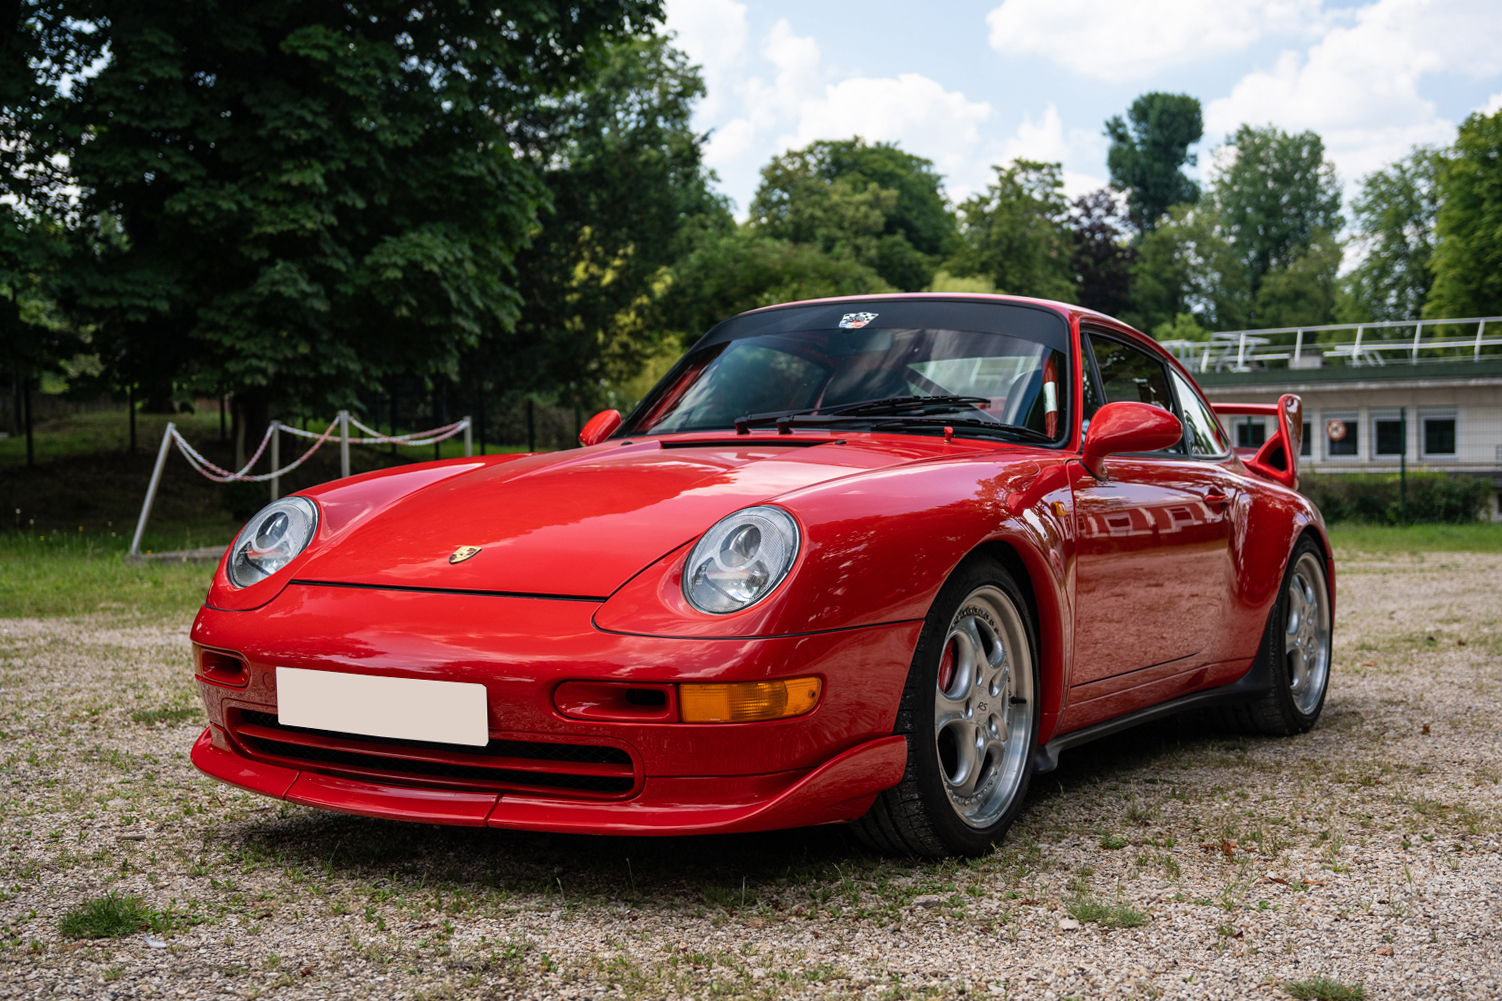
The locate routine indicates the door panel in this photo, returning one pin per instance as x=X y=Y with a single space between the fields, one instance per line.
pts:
x=1153 y=566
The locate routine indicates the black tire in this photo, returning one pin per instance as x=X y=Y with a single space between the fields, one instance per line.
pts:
x=1278 y=712
x=917 y=816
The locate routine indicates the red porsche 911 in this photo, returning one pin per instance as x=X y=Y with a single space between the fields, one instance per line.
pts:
x=871 y=561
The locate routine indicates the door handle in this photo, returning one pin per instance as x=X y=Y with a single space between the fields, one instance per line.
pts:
x=1216 y=498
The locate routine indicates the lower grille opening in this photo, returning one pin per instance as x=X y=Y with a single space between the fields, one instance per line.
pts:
x=581 y=770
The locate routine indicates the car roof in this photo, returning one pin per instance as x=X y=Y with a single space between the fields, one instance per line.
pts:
x=1068 y=309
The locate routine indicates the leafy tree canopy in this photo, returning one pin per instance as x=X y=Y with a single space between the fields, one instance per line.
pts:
x=628 y=190
x=312 y=194
x=1467 y=261
x=1101 y=254
x=1274 y=193
x=734 y=269
x=1187 y=268
x=1148 y=152
x=1013 y=233
x=1395 y=217
x=873 y=202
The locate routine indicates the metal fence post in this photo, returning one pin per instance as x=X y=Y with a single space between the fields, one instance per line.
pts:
x=1356 y=348
x=469 y=448
x=1403 y=468
x=1418 y=332
x=344 y=443
x=1479 y=328
x=276 y=459
x=156 y=479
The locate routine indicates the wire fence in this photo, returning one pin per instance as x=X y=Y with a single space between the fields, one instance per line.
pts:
x=272 y=440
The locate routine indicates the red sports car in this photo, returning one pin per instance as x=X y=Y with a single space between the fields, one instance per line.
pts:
x=871 y=561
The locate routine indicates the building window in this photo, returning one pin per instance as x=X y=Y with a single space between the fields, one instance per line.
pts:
x=1250 y=432
x=1342 y=434
x=1388 y=433
x=1438 y=433
x=1306 y=446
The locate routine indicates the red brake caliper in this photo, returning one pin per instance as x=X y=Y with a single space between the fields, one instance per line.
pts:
x=946 y=667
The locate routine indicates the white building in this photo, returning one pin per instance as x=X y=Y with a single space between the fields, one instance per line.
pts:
x=1428 y=393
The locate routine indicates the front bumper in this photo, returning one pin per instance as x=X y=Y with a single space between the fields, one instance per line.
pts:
x=824 y=767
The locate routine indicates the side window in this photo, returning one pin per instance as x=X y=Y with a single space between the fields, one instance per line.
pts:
x=1202 y=434
x=1129 y=375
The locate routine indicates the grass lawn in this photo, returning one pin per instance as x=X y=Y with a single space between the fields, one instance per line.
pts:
x=1480 y=537
x=81 y=574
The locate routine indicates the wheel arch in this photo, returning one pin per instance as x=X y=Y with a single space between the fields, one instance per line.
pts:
x=1050 y=615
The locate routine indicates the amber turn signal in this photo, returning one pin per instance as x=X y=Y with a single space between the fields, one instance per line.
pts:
x=748 y=701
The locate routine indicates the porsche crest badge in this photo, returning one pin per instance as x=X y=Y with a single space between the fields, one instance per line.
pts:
x=463 y=553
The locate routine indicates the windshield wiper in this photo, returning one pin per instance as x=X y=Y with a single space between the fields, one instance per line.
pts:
x=996 y=427
x=915 y=405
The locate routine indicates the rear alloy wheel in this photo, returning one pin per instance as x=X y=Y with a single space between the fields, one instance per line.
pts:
x=970 y=713
x=1296 y=651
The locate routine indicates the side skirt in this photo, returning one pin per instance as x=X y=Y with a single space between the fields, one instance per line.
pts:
x=1257 y=681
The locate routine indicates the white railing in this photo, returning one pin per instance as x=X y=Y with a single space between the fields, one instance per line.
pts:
x=1344 y=344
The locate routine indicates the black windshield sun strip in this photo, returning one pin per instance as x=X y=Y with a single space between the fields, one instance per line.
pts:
x=474 y=592
x=889 y=405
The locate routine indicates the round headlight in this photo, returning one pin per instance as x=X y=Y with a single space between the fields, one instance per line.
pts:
x=271 y=539
x=740 y=560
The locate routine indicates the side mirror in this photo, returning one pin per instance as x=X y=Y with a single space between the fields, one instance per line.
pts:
x=601 y=426
x=1127 y=427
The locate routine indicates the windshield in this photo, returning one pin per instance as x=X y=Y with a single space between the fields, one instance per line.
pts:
x=1010 y=381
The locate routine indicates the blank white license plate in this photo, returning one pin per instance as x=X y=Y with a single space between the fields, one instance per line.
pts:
x=449 y=712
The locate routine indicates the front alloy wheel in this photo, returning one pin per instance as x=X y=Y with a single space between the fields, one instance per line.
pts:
x=970 y=713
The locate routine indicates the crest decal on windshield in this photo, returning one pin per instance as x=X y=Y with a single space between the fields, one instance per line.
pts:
x=856 y=320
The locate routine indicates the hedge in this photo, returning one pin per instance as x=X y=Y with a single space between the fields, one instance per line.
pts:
x=1373 y=497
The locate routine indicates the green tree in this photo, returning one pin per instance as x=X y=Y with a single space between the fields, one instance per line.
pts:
x=1275 y=193
x=39 y=49
x=1188 y=268
x=627 y=187
x=735 y=268
x=1394 y=224
x=1148 y=152
x=1467 y=260
x=881 y=206
x=1304 y=293
x=1015 y=234
x=1101 y=253
x=313 y=195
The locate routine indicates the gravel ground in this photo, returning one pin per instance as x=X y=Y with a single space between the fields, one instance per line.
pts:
x=1172 y=861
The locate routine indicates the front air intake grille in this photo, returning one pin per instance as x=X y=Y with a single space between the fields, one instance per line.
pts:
x=590 y=771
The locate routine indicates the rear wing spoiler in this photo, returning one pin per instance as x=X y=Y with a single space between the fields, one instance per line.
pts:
x=1278 y=458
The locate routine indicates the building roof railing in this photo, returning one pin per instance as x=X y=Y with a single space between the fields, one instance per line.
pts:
x=1378 y=343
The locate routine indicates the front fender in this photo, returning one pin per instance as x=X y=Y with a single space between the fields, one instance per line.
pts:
x=878 y=548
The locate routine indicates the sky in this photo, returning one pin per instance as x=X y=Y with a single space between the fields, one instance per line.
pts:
x=973 y=83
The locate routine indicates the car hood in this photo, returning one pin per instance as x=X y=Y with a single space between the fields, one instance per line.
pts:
x=577 y=523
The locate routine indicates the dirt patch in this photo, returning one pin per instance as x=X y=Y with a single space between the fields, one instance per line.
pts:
x=1171 y=861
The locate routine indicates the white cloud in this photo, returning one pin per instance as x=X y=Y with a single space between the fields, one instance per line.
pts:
x=713 y=35
x=796 y=100
x=1359 y=85
x=1132 y=39
x=1046 y=140
x=910 y=109
x=1493 y=104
